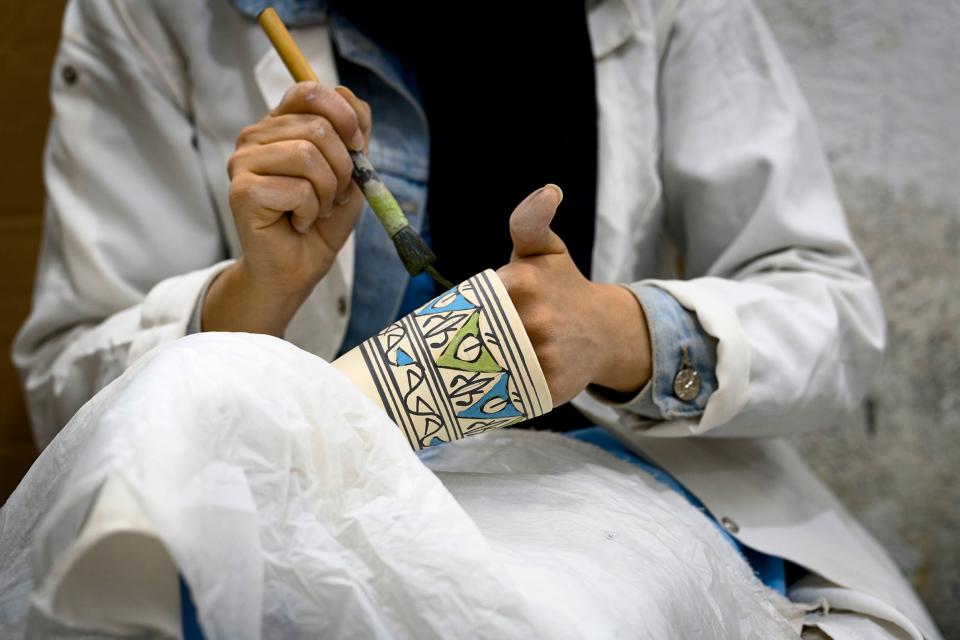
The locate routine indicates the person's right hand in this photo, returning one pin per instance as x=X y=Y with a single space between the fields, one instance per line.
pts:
x=294 y=204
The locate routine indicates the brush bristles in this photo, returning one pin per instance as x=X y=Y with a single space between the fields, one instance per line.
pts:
x=439 y=279
x=414 y=252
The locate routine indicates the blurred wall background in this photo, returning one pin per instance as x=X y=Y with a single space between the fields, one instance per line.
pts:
x=883 y=79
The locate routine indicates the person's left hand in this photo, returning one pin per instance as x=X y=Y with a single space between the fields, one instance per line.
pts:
x=583 y=332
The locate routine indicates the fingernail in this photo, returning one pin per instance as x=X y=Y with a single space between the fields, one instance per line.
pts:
x=301 y=226
x=558 y=190
x=325 y=213
x=343 y=198
x=340 y=87
x=357 y=143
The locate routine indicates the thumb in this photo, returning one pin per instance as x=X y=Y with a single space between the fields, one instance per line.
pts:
x=530 y=224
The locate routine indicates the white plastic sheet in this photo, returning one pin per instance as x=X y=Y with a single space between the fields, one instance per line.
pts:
x=294 y=508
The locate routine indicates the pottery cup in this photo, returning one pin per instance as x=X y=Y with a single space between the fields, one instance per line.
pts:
x=457 y=366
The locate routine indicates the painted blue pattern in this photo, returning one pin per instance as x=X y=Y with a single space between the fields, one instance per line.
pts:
x=403 y=358
x=499 y=391
x=459 y=303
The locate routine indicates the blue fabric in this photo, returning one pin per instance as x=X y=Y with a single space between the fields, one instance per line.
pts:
x=672 y=327
x=189 y=621
x=421 y=288
x=294 y=13
x=770 y=569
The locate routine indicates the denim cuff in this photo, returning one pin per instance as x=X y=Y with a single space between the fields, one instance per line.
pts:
x=294 y=13
x=671 y=328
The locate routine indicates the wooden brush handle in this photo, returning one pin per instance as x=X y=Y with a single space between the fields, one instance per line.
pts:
x=283 y=42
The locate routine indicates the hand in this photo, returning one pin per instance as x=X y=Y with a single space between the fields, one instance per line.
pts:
x=583 y=332
x=294 y=204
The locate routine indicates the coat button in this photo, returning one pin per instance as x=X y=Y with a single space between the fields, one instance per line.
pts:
x=686 y=384
x=69 y=74
x=342 y=305
x=729 y=524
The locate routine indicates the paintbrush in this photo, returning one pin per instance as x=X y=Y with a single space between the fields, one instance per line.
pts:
x=416 y=256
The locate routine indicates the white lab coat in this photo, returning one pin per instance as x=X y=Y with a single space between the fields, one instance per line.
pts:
x=138 y=223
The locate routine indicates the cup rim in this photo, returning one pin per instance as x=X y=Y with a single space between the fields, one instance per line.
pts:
x=523 y=340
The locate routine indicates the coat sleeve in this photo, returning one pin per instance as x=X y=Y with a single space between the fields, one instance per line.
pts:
x=130 y=232
x=772 y=271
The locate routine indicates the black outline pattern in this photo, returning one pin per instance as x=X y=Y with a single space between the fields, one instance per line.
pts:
x=417 y=395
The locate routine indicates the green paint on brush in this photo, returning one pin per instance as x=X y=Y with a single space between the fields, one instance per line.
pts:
x=413 y=251
x=382 y=202
x=385 y=206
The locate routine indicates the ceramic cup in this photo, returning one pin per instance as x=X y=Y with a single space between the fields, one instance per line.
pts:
x=459 y=365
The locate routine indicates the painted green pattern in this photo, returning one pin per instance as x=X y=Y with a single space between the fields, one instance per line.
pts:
x=484 y=362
